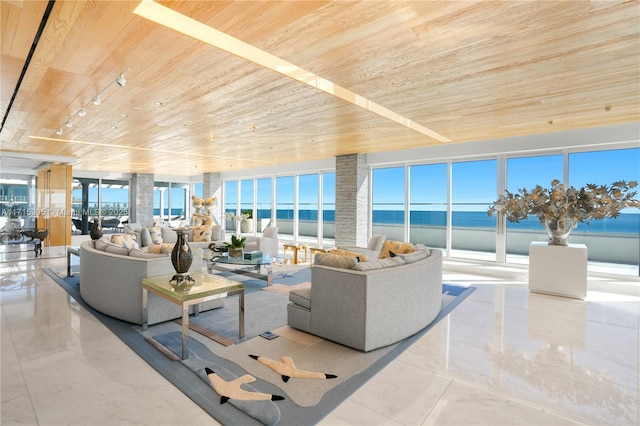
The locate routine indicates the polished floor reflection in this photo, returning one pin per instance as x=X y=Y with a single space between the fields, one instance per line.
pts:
x=504 y=356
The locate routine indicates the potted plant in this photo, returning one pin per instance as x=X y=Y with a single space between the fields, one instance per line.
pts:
x=560 y=208
x=246 y=221
x=236 y=246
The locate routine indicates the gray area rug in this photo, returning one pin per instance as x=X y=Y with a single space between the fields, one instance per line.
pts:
x=306 y=400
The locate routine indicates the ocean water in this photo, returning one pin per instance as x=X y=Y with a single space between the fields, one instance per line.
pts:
x=626 y=223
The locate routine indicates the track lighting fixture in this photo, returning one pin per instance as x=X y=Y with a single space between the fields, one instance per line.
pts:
x=120 y=81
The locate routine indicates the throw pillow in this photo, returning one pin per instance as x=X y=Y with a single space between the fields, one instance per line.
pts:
x=202 y=233
x=160 y=248
x=168 y=235
x=156 y=235
x=361 y=257
x=216 y=235
x=125 y=240
x=396 y=247
x=335 y=260
x=145 y=237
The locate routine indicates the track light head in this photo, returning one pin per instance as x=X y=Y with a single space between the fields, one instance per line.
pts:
x=97 y=100
x=82 y=112
x=121 y=80
x=69 y=123
x=59 y=131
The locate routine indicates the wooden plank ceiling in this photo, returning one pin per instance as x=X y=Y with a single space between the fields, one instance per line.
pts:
x=468 y=70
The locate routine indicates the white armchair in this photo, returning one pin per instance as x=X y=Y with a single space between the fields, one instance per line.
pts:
x=372 y=250
x=267 y=243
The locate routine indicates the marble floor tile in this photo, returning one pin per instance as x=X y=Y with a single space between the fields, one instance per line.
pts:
x=503 y=357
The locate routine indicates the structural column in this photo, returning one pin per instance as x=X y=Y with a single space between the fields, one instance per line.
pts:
x=352 y=200
x=141 y=206
x=212 y=187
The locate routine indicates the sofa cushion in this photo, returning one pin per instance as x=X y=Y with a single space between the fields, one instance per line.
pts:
x=165 y=248
x=361 y=257
x=415 y=256
x=301 y=297
x=168 y=235
x=202 y=233
x=156 y=235
x=135 y=252
x=102 y=243
x=391 y=248
x=335 y=260
x=125 y=240
x=388 y=262
x=112 y=248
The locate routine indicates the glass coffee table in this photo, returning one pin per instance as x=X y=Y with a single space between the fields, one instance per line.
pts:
x=203 y=288
x=226 y=263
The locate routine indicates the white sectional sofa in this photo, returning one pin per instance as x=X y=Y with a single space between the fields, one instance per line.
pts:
x=383 y=302
x=111 y=282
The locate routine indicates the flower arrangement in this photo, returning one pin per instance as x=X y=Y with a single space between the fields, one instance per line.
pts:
x=561 y=202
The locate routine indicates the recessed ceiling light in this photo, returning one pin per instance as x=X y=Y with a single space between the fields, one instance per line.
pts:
x=159 y=103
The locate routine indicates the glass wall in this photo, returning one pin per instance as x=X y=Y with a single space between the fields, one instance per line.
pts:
x=428 y=189
x=387 y=199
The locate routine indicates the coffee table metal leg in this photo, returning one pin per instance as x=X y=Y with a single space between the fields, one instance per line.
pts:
x=241 y=313
x=185 y=332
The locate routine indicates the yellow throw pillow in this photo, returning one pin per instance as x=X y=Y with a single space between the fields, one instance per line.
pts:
x=125 y=240
x=335 y=260
x=395 y=247
x=361 y=257
x=202 y=233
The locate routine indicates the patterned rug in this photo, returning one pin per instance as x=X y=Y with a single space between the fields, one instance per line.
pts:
x=285 y=289
x=293 y=379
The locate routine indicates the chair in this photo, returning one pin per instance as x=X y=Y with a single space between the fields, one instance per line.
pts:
x=267 y=243
x=372 y=250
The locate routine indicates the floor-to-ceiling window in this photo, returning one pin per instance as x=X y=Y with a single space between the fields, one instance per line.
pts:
x=308 y=205
x=285 y=206
x=608 y=240
x=246 y=205
x=428 y=186
x=473 y=189
x=387 y=200
x=527 y=172
x=115 y=199
x=263 y=203
x=230 y=204
x=328 y=206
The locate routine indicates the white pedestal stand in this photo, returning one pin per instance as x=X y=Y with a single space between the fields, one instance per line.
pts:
x=558 y=270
